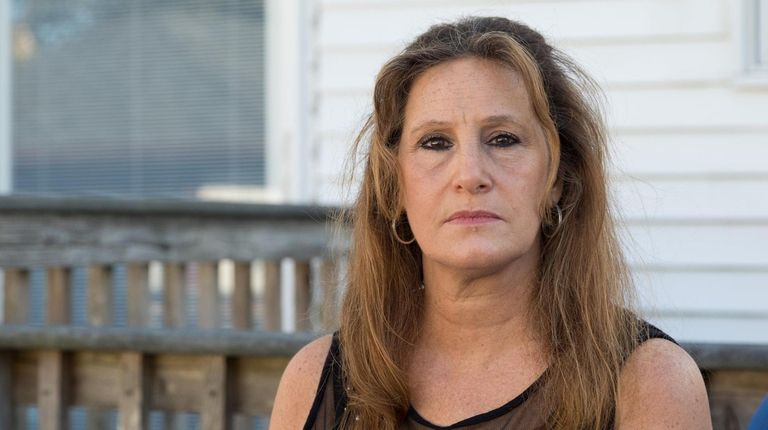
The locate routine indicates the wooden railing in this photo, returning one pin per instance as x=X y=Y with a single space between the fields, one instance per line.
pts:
x=182 y=312
x=140 y=307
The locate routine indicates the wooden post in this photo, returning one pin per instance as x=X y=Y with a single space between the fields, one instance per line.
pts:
x=51 y=380
x=100 y=295
x=16 y=305
x=174 y=301
x=329 y=287
x=133 y=402
x=51 y=367
x=59 y=286
x=214 y=402
x=137 y=294
x=99 y=315
x=134 y=393
x=208 y=295
x=272 y=305
x=242 y=299
x=6 y=391
x=303 y=296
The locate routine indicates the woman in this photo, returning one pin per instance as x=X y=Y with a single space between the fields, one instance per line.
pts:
x=487 y=289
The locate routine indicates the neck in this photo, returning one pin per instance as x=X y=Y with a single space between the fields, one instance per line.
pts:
x=485 y=313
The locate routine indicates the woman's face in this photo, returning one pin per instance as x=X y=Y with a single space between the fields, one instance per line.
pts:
x=474 y=163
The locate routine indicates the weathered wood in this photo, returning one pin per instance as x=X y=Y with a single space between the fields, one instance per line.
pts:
x=242 y=300
x=100 y=295
x=104 y=232
x=303 y=295
x=272 y=296
x=208 y=295
x=330 y=293
x=215 y=407
x=59 y=289
x=174 y=297
x=734 y=395
x=137 y=294
x=16 y=304
x=133 y=397
x=6 y=391
x=181 y=341
x=99 y=315
x=51 y=397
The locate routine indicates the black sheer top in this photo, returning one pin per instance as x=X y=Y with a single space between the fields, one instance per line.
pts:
x=523 y=412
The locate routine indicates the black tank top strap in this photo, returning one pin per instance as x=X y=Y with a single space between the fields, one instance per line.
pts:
x=339 y=393
x=331 y=374
x=649 y=331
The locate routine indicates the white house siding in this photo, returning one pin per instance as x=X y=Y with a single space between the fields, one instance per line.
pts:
x=690 y=140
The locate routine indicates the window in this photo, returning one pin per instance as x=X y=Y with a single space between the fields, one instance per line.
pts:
x=139 y=98
x=757 y=36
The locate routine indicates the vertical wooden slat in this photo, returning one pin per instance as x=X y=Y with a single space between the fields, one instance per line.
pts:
x=6 y=391
x=16 y=304
x=214 y=402
x=174 y=314
x=59 y=286
x=99 y=315
x=137 y=294
x=134 y=392
x=303 y=295
x=208 y=294
x=272 y=310
x=100 y=295
x=242 y=299
x=51 y=381
x=329 y=287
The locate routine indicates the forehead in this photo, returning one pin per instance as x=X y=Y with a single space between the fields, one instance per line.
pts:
x=467 y=89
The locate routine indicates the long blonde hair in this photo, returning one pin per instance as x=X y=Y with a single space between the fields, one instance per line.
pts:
x=582 y=300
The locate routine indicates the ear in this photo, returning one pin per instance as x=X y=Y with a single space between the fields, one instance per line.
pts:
x=556 y=192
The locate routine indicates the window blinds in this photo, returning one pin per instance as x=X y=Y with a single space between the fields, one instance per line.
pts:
x=139 y=98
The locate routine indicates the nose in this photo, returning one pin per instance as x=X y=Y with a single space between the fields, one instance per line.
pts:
x=471 y=170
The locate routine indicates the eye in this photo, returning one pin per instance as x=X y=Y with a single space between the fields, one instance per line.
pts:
x=504 y=140
x=435 y=143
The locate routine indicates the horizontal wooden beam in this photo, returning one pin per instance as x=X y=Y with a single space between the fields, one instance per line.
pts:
x=169 y=341
x=163 y=207
x=729 y=356
x=63 y=232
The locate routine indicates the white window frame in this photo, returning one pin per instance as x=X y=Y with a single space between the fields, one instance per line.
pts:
x=755 y=45
x=288 y=92
x=6 y=154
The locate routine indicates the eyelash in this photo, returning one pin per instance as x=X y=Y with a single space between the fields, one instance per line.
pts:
x=427 y=141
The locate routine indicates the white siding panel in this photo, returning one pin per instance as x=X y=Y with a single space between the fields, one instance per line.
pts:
x=387 y=26
x=713 y=328
x=704 y=107
x=680 y=245
x=668 y=64
x=676 y=293
x=343 y=114
x=726 y=201
x=693 y=153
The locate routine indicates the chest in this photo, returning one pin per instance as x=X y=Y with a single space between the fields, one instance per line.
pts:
x=445 y=394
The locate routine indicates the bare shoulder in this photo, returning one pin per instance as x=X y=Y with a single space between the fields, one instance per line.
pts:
x=661 y=388
x=298 y=385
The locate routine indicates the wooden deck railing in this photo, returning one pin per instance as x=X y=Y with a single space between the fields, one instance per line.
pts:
x=192 y=337
x=180 y=310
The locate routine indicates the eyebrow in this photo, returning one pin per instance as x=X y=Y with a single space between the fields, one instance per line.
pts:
x=491 y=120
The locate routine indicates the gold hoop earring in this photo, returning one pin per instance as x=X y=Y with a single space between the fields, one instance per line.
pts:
x=551 y=229
x=397 y=237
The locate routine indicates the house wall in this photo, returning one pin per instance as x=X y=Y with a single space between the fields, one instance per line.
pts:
x=689 y=131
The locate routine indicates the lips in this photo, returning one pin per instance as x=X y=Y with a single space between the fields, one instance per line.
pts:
x=473 y=217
